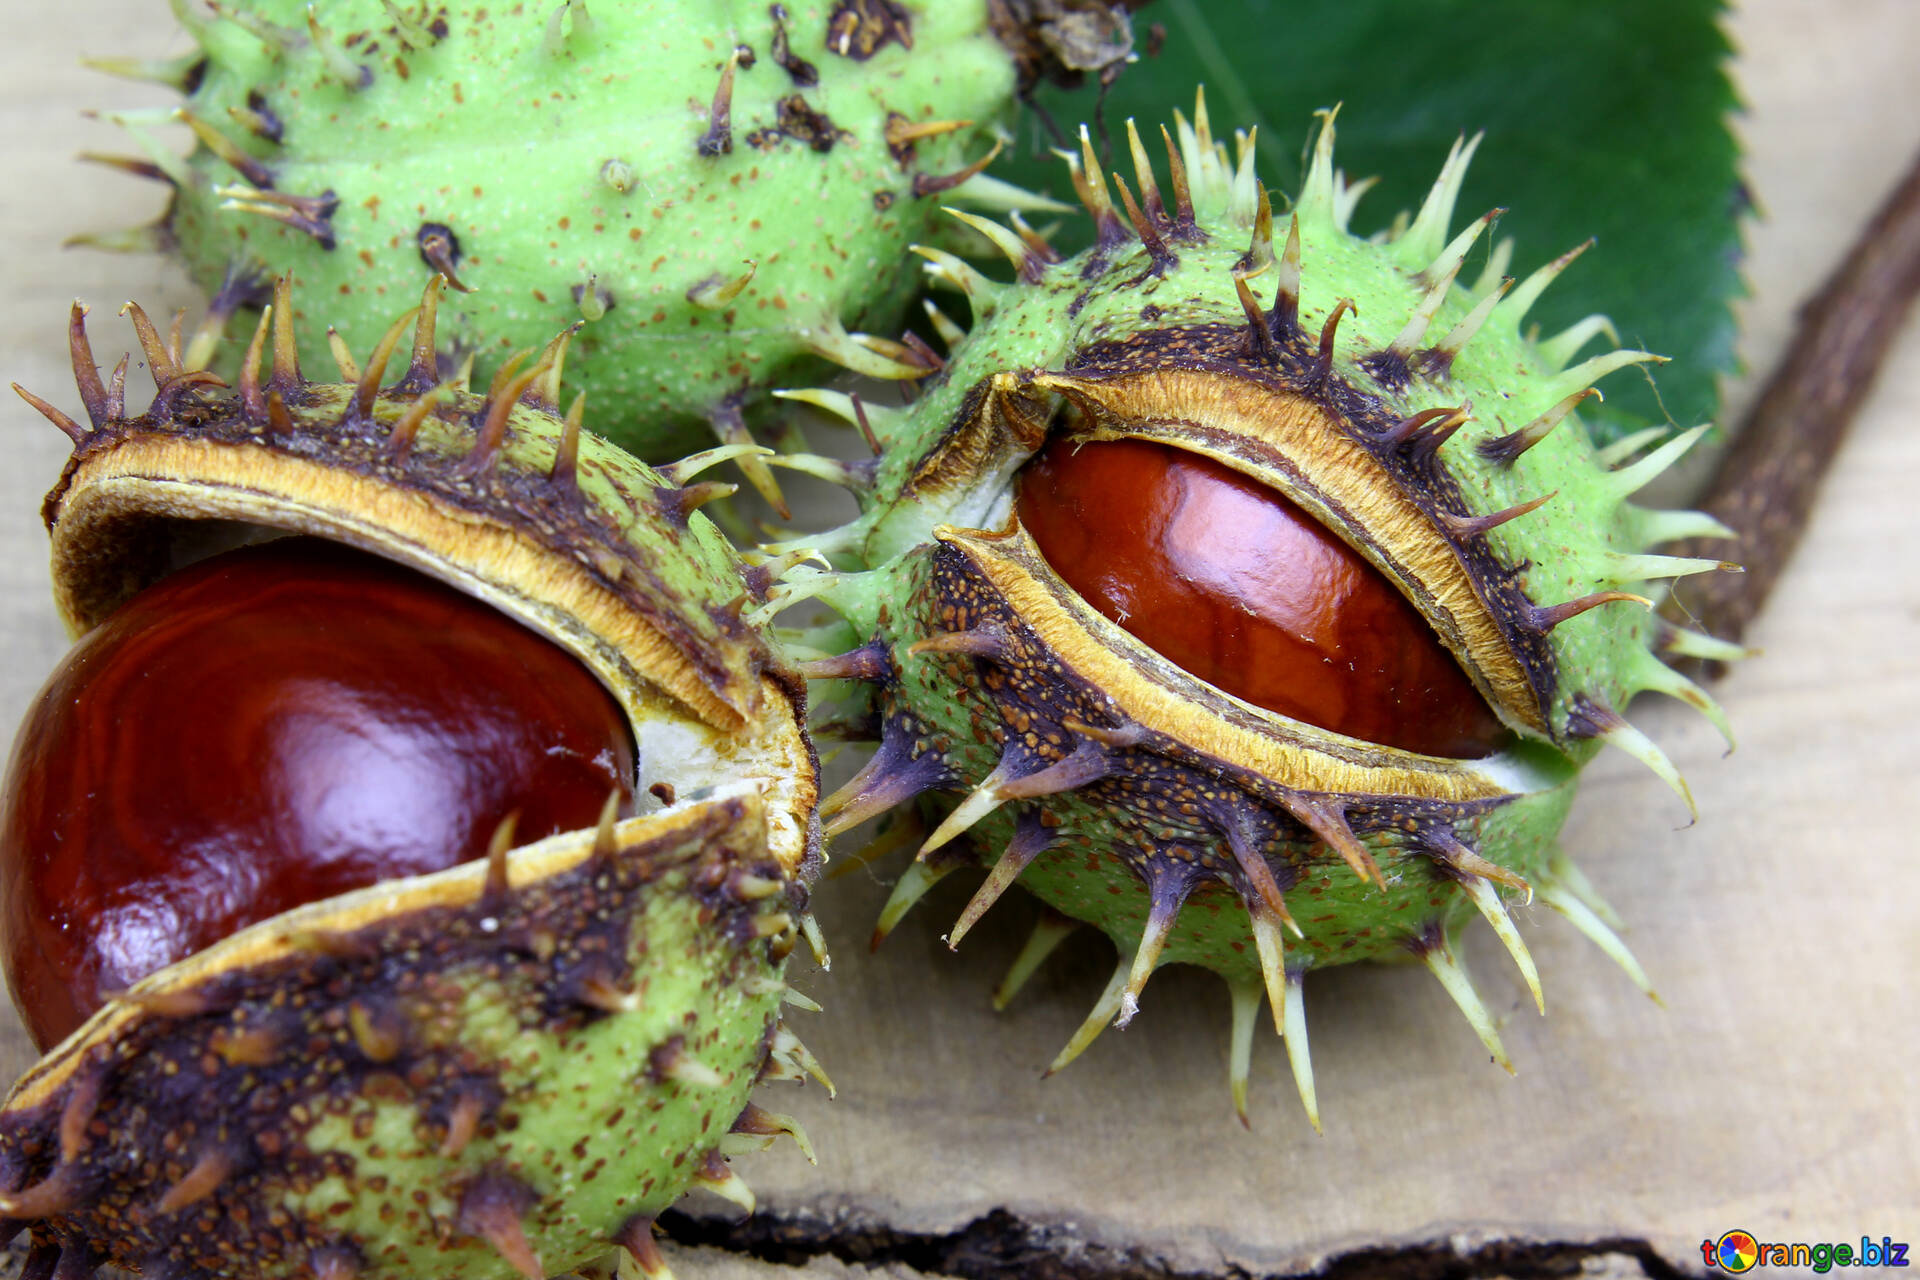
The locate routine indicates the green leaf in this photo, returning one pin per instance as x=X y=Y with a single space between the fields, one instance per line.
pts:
x=1602 y=120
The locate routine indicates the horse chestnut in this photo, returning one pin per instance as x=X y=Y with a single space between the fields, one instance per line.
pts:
x=267 y=728
x=1243 y=589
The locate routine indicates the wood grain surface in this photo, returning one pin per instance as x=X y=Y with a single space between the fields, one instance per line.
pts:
x=1775 y=1092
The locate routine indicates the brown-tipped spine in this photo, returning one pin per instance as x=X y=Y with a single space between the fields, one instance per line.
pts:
x=117 y=389
x=161 y=362
x=229 y=151
x=1185 y=227
x=311 y=214
x=253 y=401
x=1478 y=526
x=1326 y=820
x=493 y=428
x=1244 y=832
x=212 y=1168
x=54 y=1194
x=86 y=375
x=491 y=1207
x=872 y=662
x=279 y=421
x=463 y=1122
x=406 y=428
x=136 y=166
x=565 y=472
x=1031 y=838
x=1150 y=200
x=544 y=394
x=861 y=420
x=334 y=1262
x=893 y=776
x=1329 y=332
x=285 y=377
x=1505 y=449
x=1424 y=440
x=982 y=642
x=927 y=184
x=1445 y=847
x=77 y=1113
x=368 y=387
x=1284 y=321
x=74 y=431
x=636 y=1237
x=1545 y=618
x=1157 y=249
x=497 y=887
x=441 y=252
x=1039 y=248
x=423 y=369
x=1091 y=187
x=1259 y=340
x=676 y=504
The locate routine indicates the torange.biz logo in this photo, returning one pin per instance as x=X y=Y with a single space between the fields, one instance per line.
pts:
x=1738 y=1251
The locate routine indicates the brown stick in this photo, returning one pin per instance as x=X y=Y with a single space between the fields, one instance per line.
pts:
x=1767 y=483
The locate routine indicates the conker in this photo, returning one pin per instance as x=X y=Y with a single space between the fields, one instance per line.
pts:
x=1226 y=577
x=271 y=727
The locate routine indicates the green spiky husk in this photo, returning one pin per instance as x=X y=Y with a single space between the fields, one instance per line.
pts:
x=1417 y=419
x=1158 y=808
x=514 y=1060
x=574 y=156
x=332 y=1077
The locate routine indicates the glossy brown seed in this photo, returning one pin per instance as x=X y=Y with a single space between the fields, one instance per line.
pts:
x=1235 y=583
x=268 y=728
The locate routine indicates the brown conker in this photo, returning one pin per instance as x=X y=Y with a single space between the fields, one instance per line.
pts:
x=271 y=727
x=1243 y=589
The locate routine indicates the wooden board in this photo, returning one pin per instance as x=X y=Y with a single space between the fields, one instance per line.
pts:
x=1775 y=1092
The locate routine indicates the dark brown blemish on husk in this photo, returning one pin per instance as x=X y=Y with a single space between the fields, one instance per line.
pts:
x=796 y=120
x=262 y=119
x=804 y=73
x=440 y=250
x=858 y=29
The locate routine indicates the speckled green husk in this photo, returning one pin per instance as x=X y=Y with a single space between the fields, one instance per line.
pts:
x=575 y=158
x=506 y=1068
x=1110 y=837
x=1417 y=419
x=332 y=1076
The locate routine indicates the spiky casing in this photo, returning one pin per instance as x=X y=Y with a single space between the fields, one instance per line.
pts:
x=420 y=1079
x=502 y=1069
x=1412 y=416
x=716 y=188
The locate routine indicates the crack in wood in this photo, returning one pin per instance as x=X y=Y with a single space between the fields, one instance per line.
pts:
x=1001 y=1246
